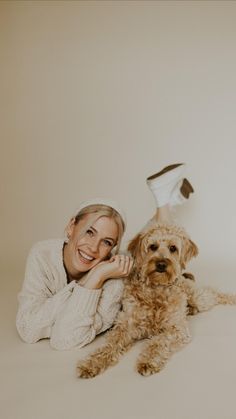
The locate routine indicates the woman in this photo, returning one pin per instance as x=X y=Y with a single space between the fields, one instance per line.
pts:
x=66 y=296
x=72 y=289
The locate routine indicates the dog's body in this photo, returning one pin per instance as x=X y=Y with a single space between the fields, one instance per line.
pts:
x=157 y=299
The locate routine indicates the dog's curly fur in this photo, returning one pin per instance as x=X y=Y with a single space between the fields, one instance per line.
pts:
x=157 y=299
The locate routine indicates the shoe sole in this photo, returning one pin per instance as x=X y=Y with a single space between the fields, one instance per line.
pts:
x=165 y=170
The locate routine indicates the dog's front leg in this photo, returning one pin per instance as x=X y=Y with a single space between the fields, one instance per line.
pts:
x=118 y=342
x=158 y=351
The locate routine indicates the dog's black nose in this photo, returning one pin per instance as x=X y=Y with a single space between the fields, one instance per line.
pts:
x=161 y=266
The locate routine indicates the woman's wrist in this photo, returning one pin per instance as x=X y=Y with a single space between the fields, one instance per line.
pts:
x=92 y=281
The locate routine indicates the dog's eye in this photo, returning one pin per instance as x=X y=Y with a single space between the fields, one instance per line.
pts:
x=173 y=248
x=153 y=247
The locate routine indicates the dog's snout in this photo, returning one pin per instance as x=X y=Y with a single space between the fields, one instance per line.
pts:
x=161 y=266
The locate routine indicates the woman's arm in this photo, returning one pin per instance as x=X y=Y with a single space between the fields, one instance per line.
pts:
x=87 y=313
x=70 y=314
x=38 y=304
x=93 y=306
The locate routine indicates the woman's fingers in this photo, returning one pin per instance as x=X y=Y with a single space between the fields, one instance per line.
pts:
x=128 y=263
x=125 y=264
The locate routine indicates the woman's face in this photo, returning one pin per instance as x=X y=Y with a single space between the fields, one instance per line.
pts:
x=84 y=252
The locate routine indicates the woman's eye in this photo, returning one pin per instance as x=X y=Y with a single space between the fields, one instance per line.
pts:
x=153 y=247
x=89 y=232
x=173 y=248
x=108 y=243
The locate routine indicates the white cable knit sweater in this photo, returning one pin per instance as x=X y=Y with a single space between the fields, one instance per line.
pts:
x=69 y=314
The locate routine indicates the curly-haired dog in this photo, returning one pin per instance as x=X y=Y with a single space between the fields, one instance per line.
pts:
x=157 y=299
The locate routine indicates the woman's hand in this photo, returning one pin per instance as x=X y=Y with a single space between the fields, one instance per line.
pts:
x=119 y=266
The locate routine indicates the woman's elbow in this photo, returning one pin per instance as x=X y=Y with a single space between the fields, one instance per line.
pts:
x=26 y=335
x=66 y=342
x=29 y=334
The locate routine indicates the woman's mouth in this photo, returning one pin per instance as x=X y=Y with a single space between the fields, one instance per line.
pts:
x=84 y=257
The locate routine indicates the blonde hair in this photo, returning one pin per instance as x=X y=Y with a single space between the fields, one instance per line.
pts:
x=97 y=211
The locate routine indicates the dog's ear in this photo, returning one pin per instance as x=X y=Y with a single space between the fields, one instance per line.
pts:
x=134 y=247
x=189 y=251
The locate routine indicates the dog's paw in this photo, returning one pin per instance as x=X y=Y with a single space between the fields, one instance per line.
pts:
x=84 y=370
x=148 y=368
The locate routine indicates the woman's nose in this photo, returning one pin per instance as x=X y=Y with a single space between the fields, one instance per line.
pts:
x=94 y=245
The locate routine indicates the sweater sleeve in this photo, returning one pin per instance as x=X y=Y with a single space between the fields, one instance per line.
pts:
x=38 y=305
x=87 y=313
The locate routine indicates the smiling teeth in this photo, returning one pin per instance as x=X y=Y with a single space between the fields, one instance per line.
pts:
x=87 y=257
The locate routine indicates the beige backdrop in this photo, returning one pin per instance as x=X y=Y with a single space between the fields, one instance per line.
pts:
x=95 y=96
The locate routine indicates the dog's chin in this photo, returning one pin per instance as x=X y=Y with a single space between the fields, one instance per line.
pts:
x=161 y=278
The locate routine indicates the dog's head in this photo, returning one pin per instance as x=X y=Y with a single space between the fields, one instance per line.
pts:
x=161 y=253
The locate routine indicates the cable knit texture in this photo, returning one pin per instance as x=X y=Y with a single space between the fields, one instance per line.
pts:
x=69 y=314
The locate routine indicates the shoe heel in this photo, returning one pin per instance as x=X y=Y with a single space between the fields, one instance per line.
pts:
x=186 y=188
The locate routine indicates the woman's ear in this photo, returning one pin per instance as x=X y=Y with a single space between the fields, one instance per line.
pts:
x=70 y=227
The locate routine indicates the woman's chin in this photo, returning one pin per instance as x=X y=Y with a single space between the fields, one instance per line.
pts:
x=82 y=265
x=85 y=267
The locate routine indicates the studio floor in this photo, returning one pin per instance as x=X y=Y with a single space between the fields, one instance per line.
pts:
x=199 y=382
